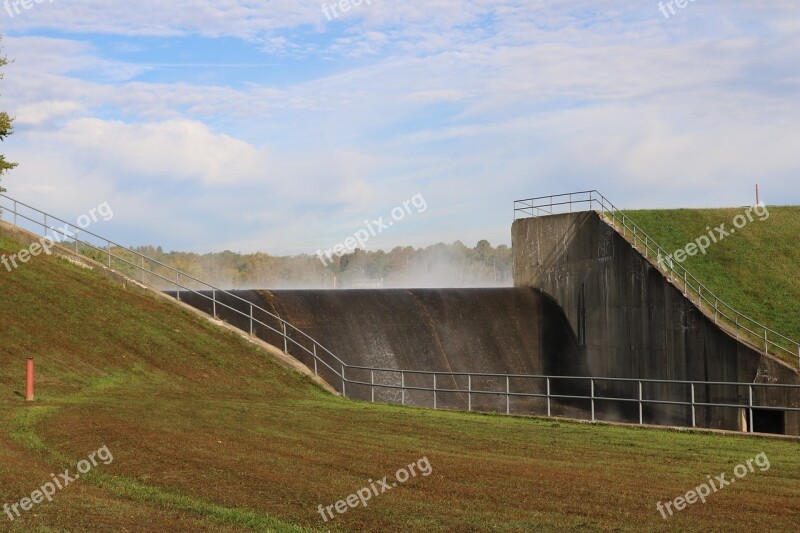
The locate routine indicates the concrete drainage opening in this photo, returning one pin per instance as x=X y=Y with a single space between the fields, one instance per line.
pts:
x=768 y=421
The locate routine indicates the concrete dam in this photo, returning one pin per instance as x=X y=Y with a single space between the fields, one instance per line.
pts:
x=508 y=331
x=586 y=303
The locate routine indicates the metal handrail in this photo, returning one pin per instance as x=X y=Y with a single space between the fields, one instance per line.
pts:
x=179 y=275
x=640 y=399
x=551 y=376
x=548 y=205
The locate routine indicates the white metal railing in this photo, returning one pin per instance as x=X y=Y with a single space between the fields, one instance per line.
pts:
x=92 y=245
x=747 y=403
x=744 y=326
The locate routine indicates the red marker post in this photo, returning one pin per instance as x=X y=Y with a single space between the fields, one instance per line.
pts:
x=29 y=381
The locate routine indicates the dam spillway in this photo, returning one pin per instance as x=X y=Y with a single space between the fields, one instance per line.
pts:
x=515 y=331
x=491 y=330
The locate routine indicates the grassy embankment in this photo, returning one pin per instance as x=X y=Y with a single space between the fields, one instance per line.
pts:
x=209 y=434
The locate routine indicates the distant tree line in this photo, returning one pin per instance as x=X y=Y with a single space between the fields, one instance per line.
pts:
x=439 y=265
x=6 y=129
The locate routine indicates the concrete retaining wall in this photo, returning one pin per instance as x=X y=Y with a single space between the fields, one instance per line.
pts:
x=630 y=321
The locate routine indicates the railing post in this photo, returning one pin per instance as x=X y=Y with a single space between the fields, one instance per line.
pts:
x=143 y=275
x=591 y=381
x=316 y=373
x=548 y=395
x=285 y=339
x=403 y=388
x=372 y=385
x=694 y=409
x=178 y=285
x=641 y=413
x=344 y=390
x=251 y=320
x=15 y=212
x=469 y=386
x=508 y=397
x=750 y=405
x=434 y=391
x=76 y=240
x=109 y=253
x=214 y=301
x=766 y=342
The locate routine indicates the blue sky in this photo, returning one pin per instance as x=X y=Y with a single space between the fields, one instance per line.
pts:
x=263 y=126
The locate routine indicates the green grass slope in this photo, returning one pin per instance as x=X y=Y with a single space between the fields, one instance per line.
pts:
x=756 y=269
x=209 y=434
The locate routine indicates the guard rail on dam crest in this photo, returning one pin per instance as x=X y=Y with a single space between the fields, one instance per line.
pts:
x=550 y=395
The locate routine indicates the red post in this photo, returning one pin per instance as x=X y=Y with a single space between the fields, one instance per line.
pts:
x=29 y=383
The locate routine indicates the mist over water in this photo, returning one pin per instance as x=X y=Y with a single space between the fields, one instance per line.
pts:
x=437 y=266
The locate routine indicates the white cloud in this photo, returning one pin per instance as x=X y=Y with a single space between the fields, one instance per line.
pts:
x=437 y=96
x=41 y=113
x=175 y=149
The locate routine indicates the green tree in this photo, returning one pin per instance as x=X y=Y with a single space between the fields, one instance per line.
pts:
x=6 y=128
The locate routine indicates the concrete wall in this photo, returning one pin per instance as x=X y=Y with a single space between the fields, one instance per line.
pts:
x=631 y=322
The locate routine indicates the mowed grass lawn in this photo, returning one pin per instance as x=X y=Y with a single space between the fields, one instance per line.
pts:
x=756 y=269
x=209 y=434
